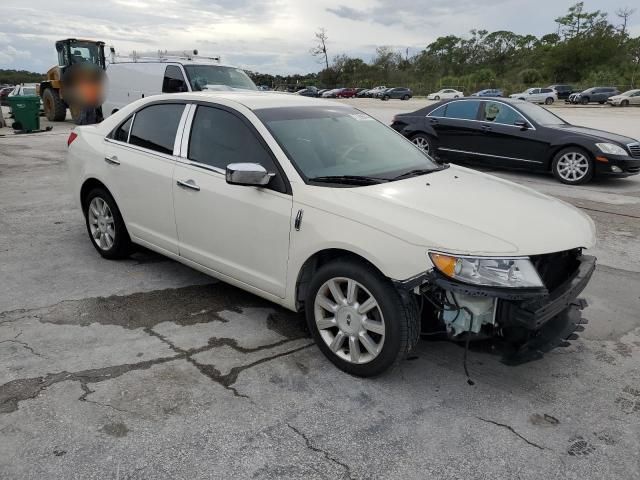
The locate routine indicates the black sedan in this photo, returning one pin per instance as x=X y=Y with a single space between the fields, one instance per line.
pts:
x=520 y=135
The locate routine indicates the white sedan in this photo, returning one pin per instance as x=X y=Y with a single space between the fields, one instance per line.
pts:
x=445 y=94
x=316 y=206
x=630 y=97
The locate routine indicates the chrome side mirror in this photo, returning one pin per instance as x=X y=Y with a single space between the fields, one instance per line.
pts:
x=249 y=174
x=522 y=124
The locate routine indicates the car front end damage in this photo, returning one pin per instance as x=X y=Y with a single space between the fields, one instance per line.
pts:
x=520 y=322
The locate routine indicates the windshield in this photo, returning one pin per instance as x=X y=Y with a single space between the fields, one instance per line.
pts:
x=81 y=52
x=202 y=75
x=540 y=115
x=328 y=141
x=628 y=93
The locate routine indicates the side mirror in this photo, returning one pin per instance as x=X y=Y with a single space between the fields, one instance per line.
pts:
x=248 y=174
x=522 y=124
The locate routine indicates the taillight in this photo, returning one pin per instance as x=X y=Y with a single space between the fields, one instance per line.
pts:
x=72 y=137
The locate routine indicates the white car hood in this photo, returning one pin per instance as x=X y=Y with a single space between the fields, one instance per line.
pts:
x=459 y=210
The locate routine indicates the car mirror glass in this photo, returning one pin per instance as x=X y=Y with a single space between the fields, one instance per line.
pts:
x=248 y=174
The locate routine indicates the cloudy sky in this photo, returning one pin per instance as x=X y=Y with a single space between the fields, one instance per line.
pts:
x=271 y=36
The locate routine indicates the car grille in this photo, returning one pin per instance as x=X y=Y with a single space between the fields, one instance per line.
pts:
x=556 y=268
x=634 y=148
x=633 y=170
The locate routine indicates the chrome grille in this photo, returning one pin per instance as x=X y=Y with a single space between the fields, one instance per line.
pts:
x=634 y=148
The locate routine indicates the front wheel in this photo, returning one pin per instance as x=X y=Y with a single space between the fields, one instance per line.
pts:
x=423 y=142
x=584 y=101
x=360 y=322
x=436 y=98
x=386 y=97
x=548 y=101
x=105 y=225
x=406 y=97
x=624 y=103
x=572 y=166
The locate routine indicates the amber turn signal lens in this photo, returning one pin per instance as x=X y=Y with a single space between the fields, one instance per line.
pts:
x=444 y=263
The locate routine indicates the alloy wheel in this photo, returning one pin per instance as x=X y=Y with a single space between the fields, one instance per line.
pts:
x=422 y=143
x=349 y=320
x=101 y=223
x=573 y=166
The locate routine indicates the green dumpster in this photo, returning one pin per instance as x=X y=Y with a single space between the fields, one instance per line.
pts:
x=26 y=112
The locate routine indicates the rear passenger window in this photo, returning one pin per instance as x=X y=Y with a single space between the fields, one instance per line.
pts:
x=155 y=127
x=462 y=110
x=122 y=132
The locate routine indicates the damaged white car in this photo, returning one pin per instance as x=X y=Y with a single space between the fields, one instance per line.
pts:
x=318 y=207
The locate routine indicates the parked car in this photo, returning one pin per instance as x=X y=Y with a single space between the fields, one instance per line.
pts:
x=595 y=94
x=373 y=93
x=401 y=93
x=333 y=93
x=516 y=134
x=4 y=93
x=364 y=93
x=489 y=92
x=630 y=97
x=336 y=215
x=322 y=90
x=347 y=93
x=129 y=81
x=444 y=94
x=562 y=91
x=308 y=92
x=537 y=95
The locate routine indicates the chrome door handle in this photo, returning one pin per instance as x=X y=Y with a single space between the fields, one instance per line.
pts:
x=485 y=128
x=190 y=184
x=112 y=160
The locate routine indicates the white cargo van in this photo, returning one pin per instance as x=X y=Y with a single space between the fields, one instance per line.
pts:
x=142 y=77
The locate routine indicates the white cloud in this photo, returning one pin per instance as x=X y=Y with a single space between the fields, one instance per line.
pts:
x=10 y=55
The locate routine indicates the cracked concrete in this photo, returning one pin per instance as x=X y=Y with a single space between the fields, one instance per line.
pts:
x=145 y=369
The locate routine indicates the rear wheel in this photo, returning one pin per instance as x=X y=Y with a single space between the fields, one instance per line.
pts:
x=423 y=142
x=572 y=166
x=54 y=108
x=361 y=323
x=105 y=225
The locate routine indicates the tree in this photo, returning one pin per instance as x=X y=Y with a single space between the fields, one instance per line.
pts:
x=320 y=50
x=624 y=14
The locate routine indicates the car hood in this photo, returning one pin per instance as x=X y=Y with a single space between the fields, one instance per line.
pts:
x=595 y=133
x=462 y=211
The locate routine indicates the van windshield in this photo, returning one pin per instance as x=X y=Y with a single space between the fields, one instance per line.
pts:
x=213 y=77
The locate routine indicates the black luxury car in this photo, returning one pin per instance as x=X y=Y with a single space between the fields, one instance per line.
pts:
x=517 y=134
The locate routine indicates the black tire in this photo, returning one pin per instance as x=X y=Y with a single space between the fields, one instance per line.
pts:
x=406 y=97
x=624 y=103
x=584 y=100
x=399 y=309
x=436 y=98
x=386 y=97
x=548 y=101
x=430 y=150
x=601 y=102
x=556 y=159
x=16 y=126
x=122 y=246
x=54 y=108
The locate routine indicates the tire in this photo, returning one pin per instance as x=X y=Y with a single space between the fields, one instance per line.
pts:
x=436 y=98
x=120 y=245
x=424 y=142
x=548 y=101
x=624 y=103
x=569 y=174
x=456 y=96
x=16 y=126
x=395 y=315
x=601 y=102
x=386 y=97
x=584 y=100
x=54 y=108
x=406 y=97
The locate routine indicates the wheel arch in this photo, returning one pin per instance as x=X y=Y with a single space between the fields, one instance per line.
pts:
x=88 y=185
x=315 y=262
x=555 y=148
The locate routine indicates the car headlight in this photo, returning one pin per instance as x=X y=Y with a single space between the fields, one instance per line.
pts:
x=611 y=149
x=515 y=272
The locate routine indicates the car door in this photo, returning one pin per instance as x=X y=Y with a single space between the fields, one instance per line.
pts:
x=140 y=161
x=634 y=98
x=457 y=129
x=505 y=144
x=239 y=231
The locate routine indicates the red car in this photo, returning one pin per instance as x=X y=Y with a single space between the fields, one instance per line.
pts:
x=347 y=93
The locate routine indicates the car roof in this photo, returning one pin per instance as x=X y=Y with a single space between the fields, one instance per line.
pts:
x=253 y=100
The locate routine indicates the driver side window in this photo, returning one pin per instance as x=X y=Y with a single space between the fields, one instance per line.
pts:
x=497 y=112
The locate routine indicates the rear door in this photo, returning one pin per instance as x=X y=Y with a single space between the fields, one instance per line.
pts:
x=141 y=160
x=239 y=231
x=457 y=127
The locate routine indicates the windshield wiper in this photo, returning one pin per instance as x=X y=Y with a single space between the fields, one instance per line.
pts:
x=418 y=172
x=349 y=179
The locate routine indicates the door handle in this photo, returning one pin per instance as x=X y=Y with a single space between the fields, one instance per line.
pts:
x=190 y=184
x=112 y=160
x=485 y=128
x=433 y=121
